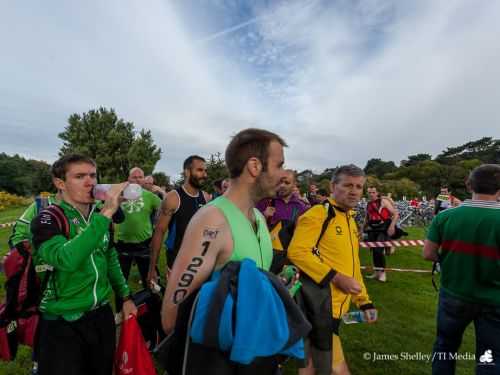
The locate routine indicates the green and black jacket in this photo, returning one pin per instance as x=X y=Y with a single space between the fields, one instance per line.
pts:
x=85 y=264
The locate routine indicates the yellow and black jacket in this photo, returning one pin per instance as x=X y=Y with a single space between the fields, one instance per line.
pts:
x=338 y=252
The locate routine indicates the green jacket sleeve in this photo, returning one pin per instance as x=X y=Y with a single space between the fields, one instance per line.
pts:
x=115 y=274
x=21 y=230
x=54 y=249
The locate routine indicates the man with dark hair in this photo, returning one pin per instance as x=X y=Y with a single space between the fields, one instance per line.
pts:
x=322 y=195
x=466 y=241
x=220 y=186
x=76 y=333
x=445 y=200
x=188 y=163
x=134 y=234
x=334 y=263
x=380 y=225
x=311 y=194
x=177 y=209
x=228 y=229
x=281 y=213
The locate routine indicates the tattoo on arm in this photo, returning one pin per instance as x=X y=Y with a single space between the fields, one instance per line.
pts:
x=210 y=233
x=188 y=276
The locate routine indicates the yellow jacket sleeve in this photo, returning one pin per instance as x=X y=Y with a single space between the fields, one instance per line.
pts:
x=361 y=300
x=304 y=239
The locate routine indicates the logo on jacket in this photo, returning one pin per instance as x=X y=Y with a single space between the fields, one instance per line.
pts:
x=75 y=221
x=338 y=229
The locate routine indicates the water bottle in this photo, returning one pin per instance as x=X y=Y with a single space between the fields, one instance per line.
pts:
x=288 y=276
x=354 y=317
x=131 y=192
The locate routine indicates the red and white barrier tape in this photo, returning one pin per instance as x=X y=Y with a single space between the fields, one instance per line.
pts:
x=5 y=225
x=367 y=244
x=395 y=269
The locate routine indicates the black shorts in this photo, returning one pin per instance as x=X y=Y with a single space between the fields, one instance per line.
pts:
x=84 y=346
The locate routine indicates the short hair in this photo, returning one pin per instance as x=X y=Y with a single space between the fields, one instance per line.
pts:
x=60 y=166
x=135 y=169
x=247 y=144
x=322 y=192
x=485 y=179
x=188 y=163
x=347 y=170
x=218 y=183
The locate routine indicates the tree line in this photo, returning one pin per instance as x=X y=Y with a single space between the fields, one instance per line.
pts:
x=117 y=146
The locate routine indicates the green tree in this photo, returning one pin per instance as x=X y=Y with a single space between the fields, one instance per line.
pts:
x=161 y=179
x=112 y=142
x=216 y=169
x=415 y=159
x=403 y=187
x=378 y=167
x=143 y=152
x=485 y=149
x=24 y=177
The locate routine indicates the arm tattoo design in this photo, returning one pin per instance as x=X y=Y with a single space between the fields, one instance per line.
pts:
x=188 y=276
x=210 y=233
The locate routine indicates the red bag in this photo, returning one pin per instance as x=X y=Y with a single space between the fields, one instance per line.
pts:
x=132 y=356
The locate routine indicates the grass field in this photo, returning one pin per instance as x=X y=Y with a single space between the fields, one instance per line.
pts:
x=406 y=326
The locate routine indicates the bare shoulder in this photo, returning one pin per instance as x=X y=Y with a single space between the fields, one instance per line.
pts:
x=209 y=215
x=386 y=201
x=210 y=225
x=171 y=201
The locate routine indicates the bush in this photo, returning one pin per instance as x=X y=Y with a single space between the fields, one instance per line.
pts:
x=10 y=200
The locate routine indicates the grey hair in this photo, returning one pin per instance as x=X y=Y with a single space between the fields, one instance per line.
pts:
x=347 y=170
x=135 y=169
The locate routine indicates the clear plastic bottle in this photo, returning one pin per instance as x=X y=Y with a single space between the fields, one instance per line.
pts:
x=131 y=192
x=354 y=317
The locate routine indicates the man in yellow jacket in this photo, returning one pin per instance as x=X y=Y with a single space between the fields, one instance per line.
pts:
x=336 y=263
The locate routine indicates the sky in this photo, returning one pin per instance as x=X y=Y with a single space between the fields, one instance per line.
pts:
x=342 y=81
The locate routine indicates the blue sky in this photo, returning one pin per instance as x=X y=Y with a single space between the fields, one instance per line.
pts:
x=342 y=81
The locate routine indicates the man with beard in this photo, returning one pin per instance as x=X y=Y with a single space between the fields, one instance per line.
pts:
x=281 y=213
x=177 y=209
x=229 y=228
x=134 y=233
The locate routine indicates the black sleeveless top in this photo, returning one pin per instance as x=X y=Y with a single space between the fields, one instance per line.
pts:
x=188 y=206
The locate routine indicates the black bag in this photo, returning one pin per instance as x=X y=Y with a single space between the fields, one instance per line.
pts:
x=149 y=316
x=169 y=353
x=316 y=301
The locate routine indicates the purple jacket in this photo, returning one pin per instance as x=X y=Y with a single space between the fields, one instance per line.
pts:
x=284 y=211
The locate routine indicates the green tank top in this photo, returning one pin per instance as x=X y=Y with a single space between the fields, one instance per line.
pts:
x=247 y=243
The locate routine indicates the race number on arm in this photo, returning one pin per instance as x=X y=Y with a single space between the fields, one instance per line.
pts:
x=206 y=245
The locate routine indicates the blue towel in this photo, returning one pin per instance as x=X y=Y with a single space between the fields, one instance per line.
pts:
x=261 y=324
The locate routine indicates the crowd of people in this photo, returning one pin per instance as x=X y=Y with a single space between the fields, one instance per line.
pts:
x=233 y=243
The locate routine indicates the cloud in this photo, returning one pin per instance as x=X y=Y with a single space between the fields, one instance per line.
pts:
x=341 y=81
x=380 y=79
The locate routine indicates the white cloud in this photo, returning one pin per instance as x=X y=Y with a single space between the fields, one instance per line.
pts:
x=341 y=81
